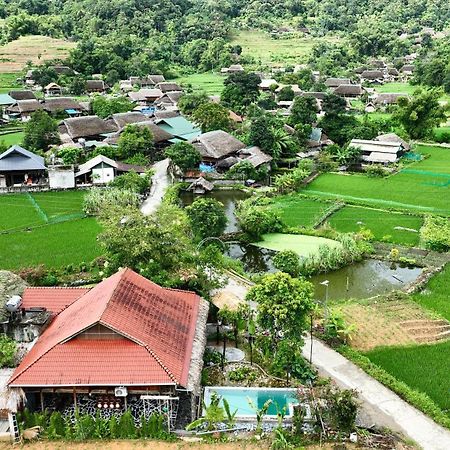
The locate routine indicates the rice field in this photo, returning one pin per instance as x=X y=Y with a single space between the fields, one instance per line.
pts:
x=383 y=224
x=46 y=228
x=10 y=139
x=211 y=83
x=421 y=187
x=435 y=296
x=299 y=211
x=301 y=244
x=422 y=367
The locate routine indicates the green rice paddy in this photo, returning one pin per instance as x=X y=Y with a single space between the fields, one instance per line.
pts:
x=382 y=224
x=299 y=211
x=421 y=187
x=211 y=83
x=10 y=139
x=46 y=228
x=301 y=244
x=424 y=368
x=435 y=296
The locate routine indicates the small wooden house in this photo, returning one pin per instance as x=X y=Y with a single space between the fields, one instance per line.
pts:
x=53 y=89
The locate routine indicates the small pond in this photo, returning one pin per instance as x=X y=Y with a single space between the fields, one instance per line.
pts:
x=360 y=280
x=228 y=198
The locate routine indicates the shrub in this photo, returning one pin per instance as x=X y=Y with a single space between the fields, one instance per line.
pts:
x=242 y=374
x=287 y=261
x=57 y=427
x=127 y=429
x=207 y=217
x=435 y=233
x=376 y=170
x=132 y=181
x=98 y=200
x=257 y=221
x=8 y=349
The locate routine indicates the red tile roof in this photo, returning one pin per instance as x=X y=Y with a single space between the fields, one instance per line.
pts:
x=53 y=299
x=161 y=321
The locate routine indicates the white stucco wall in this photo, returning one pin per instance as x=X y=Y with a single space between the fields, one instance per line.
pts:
x=61 y=178
x=102 y=175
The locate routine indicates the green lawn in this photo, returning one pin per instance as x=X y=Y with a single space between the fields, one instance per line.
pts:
x=436 y=295
x=425 y=368
x=381 y=223
x=423 y=186
x=8 y=82
x=211 y=83
x=298 y=211
x=12 y=138
x=269 y=51
x=54 y=245
x=46 y=228
x=396 y=87
x=302 y=245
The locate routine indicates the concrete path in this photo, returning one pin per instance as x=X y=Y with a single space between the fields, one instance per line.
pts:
x=379 y=404
x=160 y=182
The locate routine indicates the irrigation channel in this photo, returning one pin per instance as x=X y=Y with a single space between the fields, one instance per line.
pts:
x=364 y=279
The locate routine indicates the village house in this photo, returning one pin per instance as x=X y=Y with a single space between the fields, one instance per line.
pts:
x=349 y=90
x=167 y=86
x=407 y=71
x=169 y=99
x=179 y=127
x=392 y=137
x=22 y=109
x=373 y=76
x=95 y=86
x=127 y=344
x=20 y=167
x=267 y=83
x=384 y=152
x=78 y=129
x=53 y=89
x=217 y=145
x=234 y=68
x=255 y=156
x=386 y=99
x=145 y=97
x=5 y=101
x=335 y=82
x=317 y=140
x=65 y=105
x=103 y=170
x=22 y=95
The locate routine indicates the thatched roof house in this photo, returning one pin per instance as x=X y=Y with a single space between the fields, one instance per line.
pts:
x=86 y=127
x=166 y=114
x=255 y=156
x=22 y=95
x=159 y=135
x=372 y=75
x=349 y=90
x=388 y=98
x=156 y=79
x=123 y=119
x=217 y=145
x=167 y=86
x=335 y=82
x=169 y=98
x=53 y=105
x=24 y=107
x=95 y=86
x=200 y=186
x=234 y=68
x=407 y=69
x=145 y=95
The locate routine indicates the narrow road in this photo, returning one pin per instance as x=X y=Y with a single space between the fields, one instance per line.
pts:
x=379 y=404
x=160 y=182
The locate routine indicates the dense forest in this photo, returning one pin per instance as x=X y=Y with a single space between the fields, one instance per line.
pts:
x=123 y=37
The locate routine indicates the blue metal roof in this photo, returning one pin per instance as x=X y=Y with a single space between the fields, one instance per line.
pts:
x=17 y=158
x=6 y=99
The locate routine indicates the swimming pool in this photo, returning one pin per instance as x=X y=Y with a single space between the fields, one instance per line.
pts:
x=238 y=397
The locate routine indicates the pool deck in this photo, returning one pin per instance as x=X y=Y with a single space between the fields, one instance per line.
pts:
x=379 y=404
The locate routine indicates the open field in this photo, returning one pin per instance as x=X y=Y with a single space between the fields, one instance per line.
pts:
x=8 y=81
x=298 y=211
x=12 y=138
x=37 y=49
x=302 y=245
x=381 y=223
x=269 y=51
x=422 y=367
x=211 y=83
x=46 y=228
x=406 y=88
x=423 y=186
x=436 y=295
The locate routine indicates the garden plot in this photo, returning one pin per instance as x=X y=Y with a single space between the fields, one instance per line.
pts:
x=385 y=225
x=304 y=246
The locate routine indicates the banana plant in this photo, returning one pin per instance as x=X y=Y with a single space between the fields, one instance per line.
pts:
x=214 y=414
x=231 y=416
x=259 y=412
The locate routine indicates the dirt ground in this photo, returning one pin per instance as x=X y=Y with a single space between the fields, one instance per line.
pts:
x=15 y=54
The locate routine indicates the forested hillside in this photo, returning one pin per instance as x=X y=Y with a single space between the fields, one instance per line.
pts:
x=122 y=37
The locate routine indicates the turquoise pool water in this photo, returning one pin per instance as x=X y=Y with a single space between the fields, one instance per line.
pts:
x=238 y=399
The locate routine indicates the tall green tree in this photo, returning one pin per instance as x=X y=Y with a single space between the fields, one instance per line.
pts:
x=184 y=155
x=105 y=107
x=134 y=140
x=420 y=114
x=304 y=111
x=240 y=91
x=41 y=131
x=283 y=304
x=212 y=116
x=207 y=217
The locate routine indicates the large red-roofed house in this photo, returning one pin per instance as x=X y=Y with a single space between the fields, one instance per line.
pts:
x=126 y=342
